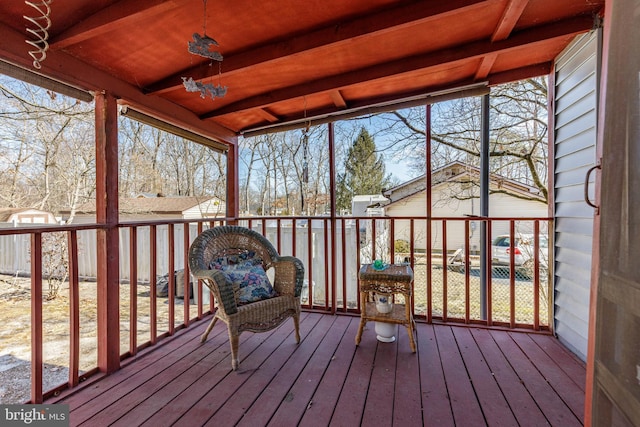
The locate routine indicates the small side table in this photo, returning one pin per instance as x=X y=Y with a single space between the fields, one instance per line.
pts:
x=395 y=279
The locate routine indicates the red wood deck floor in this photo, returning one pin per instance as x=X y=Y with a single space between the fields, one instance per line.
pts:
x=459 y=377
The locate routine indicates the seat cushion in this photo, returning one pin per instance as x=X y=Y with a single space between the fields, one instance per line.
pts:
x=250 y=282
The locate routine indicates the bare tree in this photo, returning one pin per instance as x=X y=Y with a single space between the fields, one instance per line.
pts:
x=286 y=172
x=247 y=148
x=518 y=134
x=47 y=148
x=40 y=129
x=157 y=162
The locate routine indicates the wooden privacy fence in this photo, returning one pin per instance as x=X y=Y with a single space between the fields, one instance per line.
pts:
x=14 y=252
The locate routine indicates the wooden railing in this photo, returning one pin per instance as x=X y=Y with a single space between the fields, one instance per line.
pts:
x=456 y=278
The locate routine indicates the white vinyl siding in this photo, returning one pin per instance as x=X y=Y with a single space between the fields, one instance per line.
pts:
x=576 y=81
x=213 y=208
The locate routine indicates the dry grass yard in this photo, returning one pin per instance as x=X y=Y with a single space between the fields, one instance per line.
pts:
x=15 y=332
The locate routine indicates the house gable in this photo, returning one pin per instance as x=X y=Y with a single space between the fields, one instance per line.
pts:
x=507 y=205
x=462 y=175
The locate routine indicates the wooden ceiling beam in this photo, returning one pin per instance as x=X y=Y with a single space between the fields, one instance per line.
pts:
x=371 y=106
x=66 y=69
x=338 y=99
x=520 y=73
x=485 y=66
x=110 y=18
x=271 y=118
x=377 y=23
x=510 y=16
x=564 y=28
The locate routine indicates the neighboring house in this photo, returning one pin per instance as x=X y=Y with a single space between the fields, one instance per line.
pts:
x=455 y=193
x=12 y=216
x=156 y=208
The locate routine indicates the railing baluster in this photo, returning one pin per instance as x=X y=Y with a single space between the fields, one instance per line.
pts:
x=358 y=247
x=133 y=290
x=512 y=275
x=329 y=274
x=279 y=235
x=200 y=284
x=373 y=239
x=429 y=269
x=187 y=276
x=36 y=318
x=344 y=264
x=467 y=271
x=153 y=272
x=310 y=263
x=489 y=276
x=411 y=252
x=445 y=270
x=392 y=238
x=293 y=235
x=74 y=309
x=172 y=278
x=536 y=275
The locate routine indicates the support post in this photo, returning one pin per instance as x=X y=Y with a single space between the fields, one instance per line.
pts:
x=429 y=224
x=233 y=187
x=333 y=222
x=106 y=117
x=484 y=205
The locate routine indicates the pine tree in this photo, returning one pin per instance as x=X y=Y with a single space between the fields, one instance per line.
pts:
x=364 y=172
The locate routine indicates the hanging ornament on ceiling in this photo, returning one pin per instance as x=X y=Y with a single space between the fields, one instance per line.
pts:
x=215 y=91
x=203 y=45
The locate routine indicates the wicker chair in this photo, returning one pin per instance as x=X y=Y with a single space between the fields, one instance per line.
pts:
x=260 y=316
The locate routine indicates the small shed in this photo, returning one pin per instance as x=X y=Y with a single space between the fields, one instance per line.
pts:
x=13 y=216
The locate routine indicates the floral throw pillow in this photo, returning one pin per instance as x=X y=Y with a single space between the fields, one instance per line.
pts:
x=250 y=282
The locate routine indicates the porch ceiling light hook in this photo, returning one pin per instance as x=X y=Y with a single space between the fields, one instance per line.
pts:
x=39 y=30
x=202 y=46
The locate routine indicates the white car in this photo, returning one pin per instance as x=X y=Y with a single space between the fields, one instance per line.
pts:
x=523 y=250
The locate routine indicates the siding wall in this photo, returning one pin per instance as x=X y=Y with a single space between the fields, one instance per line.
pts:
x=576 y=82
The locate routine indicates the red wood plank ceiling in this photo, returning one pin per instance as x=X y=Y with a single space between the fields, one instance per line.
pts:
x=287 y=61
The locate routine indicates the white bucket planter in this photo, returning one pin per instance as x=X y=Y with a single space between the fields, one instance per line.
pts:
x=385 y=331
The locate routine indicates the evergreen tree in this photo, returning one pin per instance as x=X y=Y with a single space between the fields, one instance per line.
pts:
x=364 y=172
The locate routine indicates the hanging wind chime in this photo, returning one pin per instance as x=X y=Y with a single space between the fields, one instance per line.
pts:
x=305 y=168
x=305 y=153
x=305 y=146
x=202 y=45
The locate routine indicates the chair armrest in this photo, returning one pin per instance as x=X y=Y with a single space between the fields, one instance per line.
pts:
x=220 y=286
x=289 y=275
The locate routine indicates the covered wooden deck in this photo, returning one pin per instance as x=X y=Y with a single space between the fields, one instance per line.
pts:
x=459 y=376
